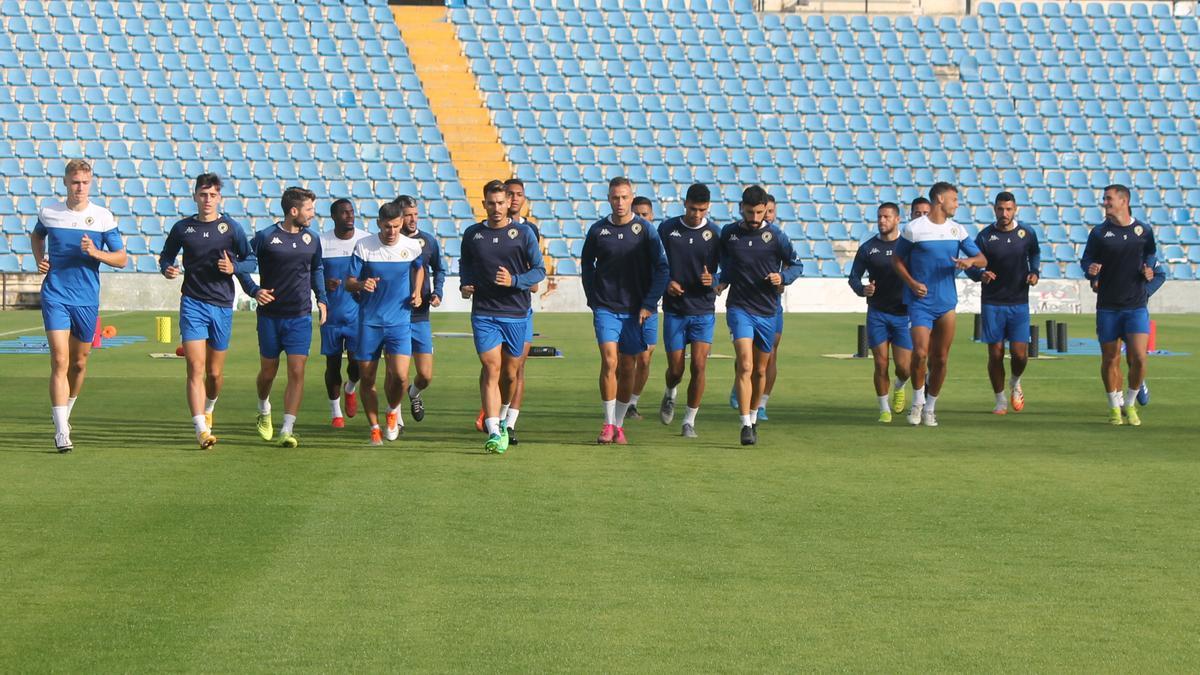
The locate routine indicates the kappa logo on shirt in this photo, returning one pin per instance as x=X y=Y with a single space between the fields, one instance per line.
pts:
x=605 y=232
x=1109 y=234
x=276 y=240
x=676 y=233
x=994 y=238
x=873 y=251
x=733 y=237
x=478 y=236
x=190 y=230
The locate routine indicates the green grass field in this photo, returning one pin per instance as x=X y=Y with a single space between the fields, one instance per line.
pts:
x=1041 y=541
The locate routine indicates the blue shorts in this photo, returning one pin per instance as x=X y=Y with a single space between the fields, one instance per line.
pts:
x=681 y=330
x=1005 y=322
x=422 y=337
x=925 y=317
x=622 y=329
x=779 y=318
x=199 y=320
x=1115 y=324
x=493 y=331
x=743 y=324
x=81 y=321
x=391 y=340
x=339 y=337
x=529 y=331
x=292 y=335
x=650 y=330
x=883 y=327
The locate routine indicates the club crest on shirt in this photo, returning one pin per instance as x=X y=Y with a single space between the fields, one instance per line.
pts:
x=512 y=233
x=766 y=237
x=405 y=254
x=637 y=228
x=707 y=235
x=1138 y=230
x=307 y=238
x=1021 y=234
x=421 y=242
x=222 y=228
x=89 y=220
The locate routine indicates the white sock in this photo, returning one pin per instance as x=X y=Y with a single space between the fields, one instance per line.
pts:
x=1001 y=400
x=399 y=415
x=754 y=416
x=350 y=386
x=883 y=403
x=621 y=408
x=335 y=407
x=610 y=412
x=634 y=399
x=919 y=396
x=746 y=420
x=71 y=405
x=898 y=384
x=690 y=416
x=414 y=391
x=511 y=421
x=492 y=425
x=671 y=392
x=504 y=410
x=1130 y=396
x=264 y=406
x=762 y=402
x=289 y=421
x=199 y=422
x=210 y=404
x=930 y=403
x=1014 y=383
x=1114 y=399
x=1120 y=398
x=59 y=414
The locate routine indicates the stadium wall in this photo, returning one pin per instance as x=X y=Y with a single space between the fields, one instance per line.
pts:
x=565 y=294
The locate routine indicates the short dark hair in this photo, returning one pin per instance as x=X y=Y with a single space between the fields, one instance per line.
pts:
x=514 y=181
x=207 y=180
x=620 y=180
x=754 y=196
x=389 y=211
x=918 y=201
x=698 y=193
x=1005 y=197
x=1119 y=189
x=770 y=198
x=889 y=205
x=338 y=202
x=493 y=186
x=940 y=188
x=405 y=202
x=294 y=196
x=642 y=201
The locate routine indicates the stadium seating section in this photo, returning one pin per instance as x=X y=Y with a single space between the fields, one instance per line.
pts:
x=832 y=114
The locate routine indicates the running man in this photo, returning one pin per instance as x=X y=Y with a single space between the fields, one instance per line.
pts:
x=340 y=333
x=624 y=272
x=926 y=261
x=689 y=307
x=69 y=241
x=500 y=262
x=387 y=273
x=1119 y=258
x=215 y=248
x=433 y=279
x=290 y=272
x=773 y=361
x=1013 y=266
x=515 y=188
x=757 y=262
x=887 y=315
x=644 y=208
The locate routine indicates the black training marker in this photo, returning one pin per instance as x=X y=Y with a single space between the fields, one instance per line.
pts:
x=861 y=352
x=1033 y=340
x=1061 y=338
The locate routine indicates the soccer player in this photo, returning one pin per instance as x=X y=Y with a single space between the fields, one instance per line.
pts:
x=388 y=273
x=515 y=188
x=214 y=249
x=340 y=332
x=433 y=280
x=289 y=267
x=1013 y=265
x=500 y=262
x=1119 y=258
x=689 y=306
x=926 y=261
x=773 y=361
x=69 y=241
x=644 y=208
x=757 y=261
x=918 y=208
x=887 y=316
x=624 y=272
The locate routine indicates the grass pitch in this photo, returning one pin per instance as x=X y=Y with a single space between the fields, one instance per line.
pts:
x=1044 y=540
